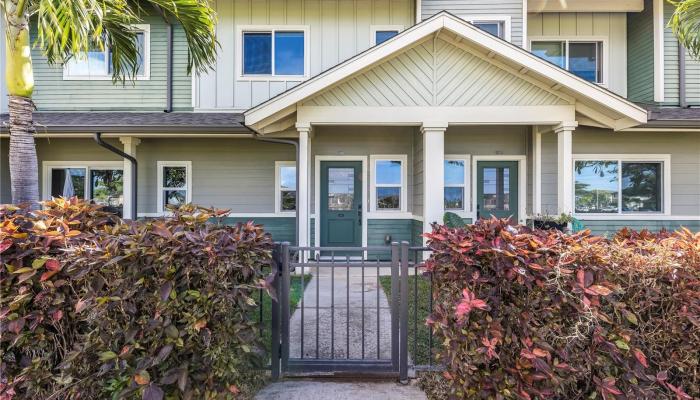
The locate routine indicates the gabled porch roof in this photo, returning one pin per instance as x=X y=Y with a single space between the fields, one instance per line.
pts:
x=445 y=70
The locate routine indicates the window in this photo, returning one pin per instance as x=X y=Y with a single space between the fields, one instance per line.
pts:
x=286 y=186
x=620 y=185
x=582 y=58
x=101 y=183
x=381 y=33
x=97 y=63
x=388 y=183
x=498 y=25
x=174 y=184
x=456 y=175
x=274 y=52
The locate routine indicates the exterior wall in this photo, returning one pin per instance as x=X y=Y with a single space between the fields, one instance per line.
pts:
x=610 y=27
x=5 y=188
x=671 y=68
x=469 y=9
x=418 y=174
x=609 y=228
x=338 y=30
x=640 y=55
x=281 y=229
x=3 y=86
x=53 y=93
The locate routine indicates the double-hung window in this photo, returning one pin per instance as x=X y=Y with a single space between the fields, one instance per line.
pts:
x=286 y=186
x=99 y=182
x=621 y=185
x=456 y=188
x=96 y=64
x=274 y=52
x=583 y=58
x=174 y=184
x=388 y=189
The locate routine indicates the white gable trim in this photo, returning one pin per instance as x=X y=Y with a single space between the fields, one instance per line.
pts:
x=444 y=20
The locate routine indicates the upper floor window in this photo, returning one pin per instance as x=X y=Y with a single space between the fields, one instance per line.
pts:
x=274 y=52
x=381 y=33
x=96 y=64
x=498 y=26
x=582 y=58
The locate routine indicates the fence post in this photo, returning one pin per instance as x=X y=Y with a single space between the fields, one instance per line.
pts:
x=275 y=323
x=395 y=337
x=403 y=329
x=284 y=301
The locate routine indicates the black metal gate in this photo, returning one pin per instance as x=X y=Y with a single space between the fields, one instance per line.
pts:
x=332 y=315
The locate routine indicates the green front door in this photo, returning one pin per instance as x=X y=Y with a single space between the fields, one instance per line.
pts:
x=341 y=203
x=497 y=189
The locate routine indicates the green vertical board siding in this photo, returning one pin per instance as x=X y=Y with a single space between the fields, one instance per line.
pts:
x=609 y=227
x=282 y=229
x=53 y=93
x=640 y=55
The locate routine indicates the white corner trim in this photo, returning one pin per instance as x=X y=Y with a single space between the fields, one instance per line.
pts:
x=537 y=173
x=522 y=181
x=238 y=53
x=403 y=158
x=373 y=29
x=47 y=166
x=188 y=181
x=419 y=11
x=466 y=211
x=659 y=73
x=525 y=18
x=665 y=159
x=278 y=188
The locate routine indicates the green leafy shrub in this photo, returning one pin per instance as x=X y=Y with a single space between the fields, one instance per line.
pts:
x=96 y=307
x=541 y=314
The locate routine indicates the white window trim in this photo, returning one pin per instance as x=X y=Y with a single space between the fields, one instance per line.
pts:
x=403 y=158
x=605 y=53
x=373 y=29
x=465 y=212
x=522 y=182
x=664 y=159
x=188 y=181
x=270 y=28
x=47 y=166
x=146 y=29
x=506 y=19
x=278 y=187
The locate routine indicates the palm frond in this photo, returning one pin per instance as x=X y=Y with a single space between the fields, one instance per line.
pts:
x=198 y=21
x=685 y=23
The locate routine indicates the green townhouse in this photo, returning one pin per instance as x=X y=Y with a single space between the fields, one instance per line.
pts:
x=367 y=120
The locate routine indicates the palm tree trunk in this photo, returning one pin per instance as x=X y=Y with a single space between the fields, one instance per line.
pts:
x=24 y=169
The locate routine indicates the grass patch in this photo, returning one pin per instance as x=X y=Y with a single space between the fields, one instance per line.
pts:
x=418 y=332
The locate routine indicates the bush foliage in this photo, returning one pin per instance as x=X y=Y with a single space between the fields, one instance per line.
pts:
x=96 y=307
x=536 y=314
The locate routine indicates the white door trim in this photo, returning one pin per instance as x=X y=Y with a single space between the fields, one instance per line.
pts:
x=317 y=195
x=522 y=181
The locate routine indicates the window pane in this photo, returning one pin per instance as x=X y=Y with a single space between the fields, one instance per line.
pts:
x=596 y=186
x=454 y=172
x=496 y=189
x=141 y=46
x=641 y=187
x=289 y=53
x=257 y=53
x=289 y=200
x=94 y=63
x=288 y=178
x=454 y=198
x=107 y=188
x=388 y=198
x=68 y=182
x=174 y=197
x=174 y=177
x=493 y=28
x=341 y=189
x=583 y=60
x=388 y=172
x=553 y=52
x=383 y=36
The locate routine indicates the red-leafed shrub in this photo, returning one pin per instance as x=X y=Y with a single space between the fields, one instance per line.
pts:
x=542 y=314
x=93 y=307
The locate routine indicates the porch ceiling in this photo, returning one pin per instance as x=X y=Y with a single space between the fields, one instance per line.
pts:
x=445 y=70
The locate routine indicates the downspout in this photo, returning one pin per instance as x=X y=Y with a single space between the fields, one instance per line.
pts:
x=682 y=96
x=134 y=169
x=169 y=62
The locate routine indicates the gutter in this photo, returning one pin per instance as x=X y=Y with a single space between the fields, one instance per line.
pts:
x=134 y=169
x=682 y=81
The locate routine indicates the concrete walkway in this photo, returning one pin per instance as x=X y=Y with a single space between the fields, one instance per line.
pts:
x=339 y=390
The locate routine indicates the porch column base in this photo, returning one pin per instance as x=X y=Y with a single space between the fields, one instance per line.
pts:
x=130 y=144
x=565 y=170
x=433 y=173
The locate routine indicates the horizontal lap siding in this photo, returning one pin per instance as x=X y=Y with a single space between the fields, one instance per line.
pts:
x=475 y=8
x=53 y=93
x=338 y=29
x=5 y=188
x=280 y=228
x=671 y=67
x=378 y=229
x=640 y=69
x=609 y=228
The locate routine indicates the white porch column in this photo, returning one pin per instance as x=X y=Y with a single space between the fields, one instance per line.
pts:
x=303 y=187
x=537 y=171
x=130 y=144
x=433 y=173
x=565 y=167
